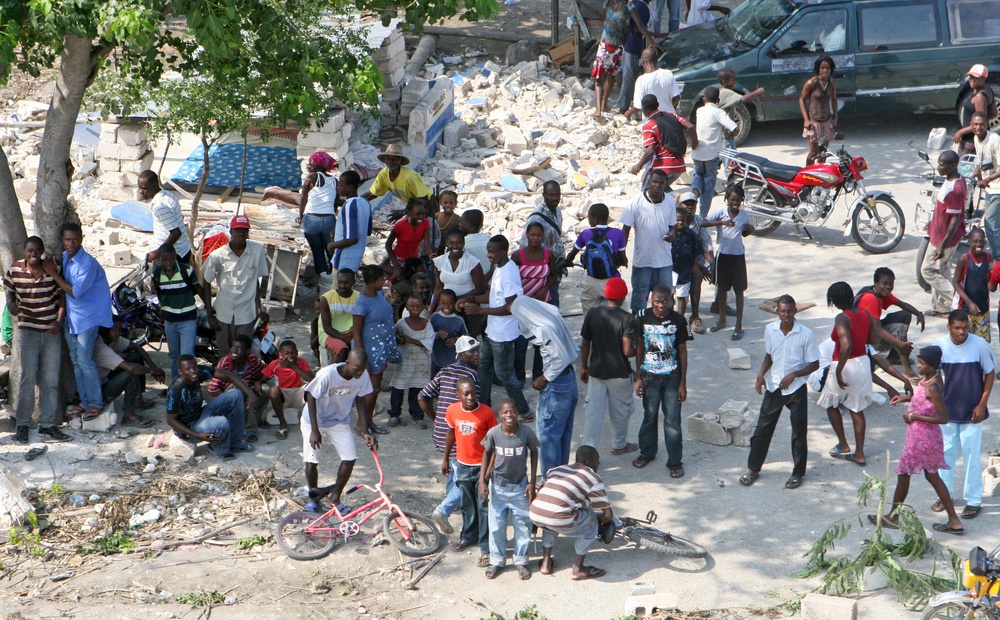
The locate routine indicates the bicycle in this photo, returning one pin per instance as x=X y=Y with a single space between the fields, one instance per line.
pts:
x=638 y=532
x=308 y=536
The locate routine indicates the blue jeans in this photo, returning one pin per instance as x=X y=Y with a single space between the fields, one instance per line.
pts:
x=554 y=293
x=660 y=391
x=521 y=360
x=41 y=356
x=970 y=438
x=556 y=408
x=88 y=380
x=475 y=519
x=704 y=181
x=224 y=417
x=674 y=19
x=180 y=340
x=630 y=72
x=643 y=281
x=508 y=501
x=991 y=222
x=498 y=357
x=452 y=494
x=316 y=229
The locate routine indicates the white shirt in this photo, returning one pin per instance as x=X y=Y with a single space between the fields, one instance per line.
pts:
x=167 y=216
x=650 y=222
x=322 y=196
x=458 y=280
x=988 y=152
x=660 y=83
x=235 y=281
x=506 y=282
x=710 y=121
x=335 y=395
x=789 y=353
x=543 y=325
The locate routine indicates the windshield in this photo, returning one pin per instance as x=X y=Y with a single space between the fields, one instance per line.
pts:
x=751 y=22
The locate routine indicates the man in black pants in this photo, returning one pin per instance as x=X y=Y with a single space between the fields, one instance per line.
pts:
x=791 y=355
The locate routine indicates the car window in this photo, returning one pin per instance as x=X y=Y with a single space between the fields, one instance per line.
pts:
x=899 y=25
x=974 y=21
x=818 y=31
x=753 y=21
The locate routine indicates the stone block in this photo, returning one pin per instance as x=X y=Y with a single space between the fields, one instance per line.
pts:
x=552 y=139
x=454 y=133
x=112 y=223
x=132 y=134
x=705 y=427
x=24 y=188
x=737 y=359
x=14 y=508
x=513 y=140
x=464 y=176
x=119 y=255
x=319 y=141
x=110 y=165
x=122 y=151
x=991 y=482
x=138 y=165
x=822 y=607
x=731 y=413
x=29 y=166
x=102 y=423
x=741 y=435
x=7 y=424
x=109 y=237
x=121 y=179
x=109 y=132
x=484 y=138
x=117 y=194
x=644 y=605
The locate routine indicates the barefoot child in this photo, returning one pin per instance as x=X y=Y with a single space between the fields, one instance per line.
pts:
x=730 y=264
x=447 y=327
x=416 y=337
x=972 y=284
x=924 y=447
x=293 y=373
x=506 y=484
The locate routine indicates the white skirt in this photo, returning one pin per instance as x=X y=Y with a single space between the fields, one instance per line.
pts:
x=858 y=394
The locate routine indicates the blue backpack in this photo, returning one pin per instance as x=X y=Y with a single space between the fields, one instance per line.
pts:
x=599 y=256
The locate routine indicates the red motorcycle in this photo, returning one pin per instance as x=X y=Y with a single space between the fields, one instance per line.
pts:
x=777 y=193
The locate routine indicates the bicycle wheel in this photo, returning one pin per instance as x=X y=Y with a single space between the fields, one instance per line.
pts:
x=667 y=543
x=423 y=539
x=301 y=545
x=957 y=611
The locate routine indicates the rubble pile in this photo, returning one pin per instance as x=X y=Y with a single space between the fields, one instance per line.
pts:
x=734 y=423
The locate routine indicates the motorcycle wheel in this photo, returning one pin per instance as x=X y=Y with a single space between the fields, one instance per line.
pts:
x=956 y=611
x=766 y=201
x=879 y=227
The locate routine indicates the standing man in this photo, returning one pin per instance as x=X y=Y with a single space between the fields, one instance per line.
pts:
x=608 y=341
x=946 y=229
x=987 y=146
x=545 y=328
x=37 y=305
x=663 y=141
x=444 y=387
x=501 y=328
x=968 y=365
x=549 y=215
x=635 y=41
x=336 y=313
x=404 y=183
x=712 y=126
x=168 y=219
x=893 y=328
x=654 y=81
x=236 y=270
x=88 y=308
x=653 y=214
x=791 y=354
x=353 y=225
x=661 y=359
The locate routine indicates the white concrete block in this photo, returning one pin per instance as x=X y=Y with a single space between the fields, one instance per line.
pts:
x=122 y=151
x=119 y=255
x=454 y=133
x=738 y=359
x=705 y=427
x=110 y=165
x=319 y=141
x=991 y=482
x=109 y=132
x=132 y=134
x=822 y=607
x=464 y=176
x=644 y=605
x=109 y=237
x=513 y=140
x=731 y=413
x=101 y=424
x=14 y=508
x=117 y=194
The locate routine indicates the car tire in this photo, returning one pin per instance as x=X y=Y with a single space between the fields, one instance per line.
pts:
x=741 y=114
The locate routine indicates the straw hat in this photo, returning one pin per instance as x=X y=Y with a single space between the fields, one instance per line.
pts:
x=394 y=150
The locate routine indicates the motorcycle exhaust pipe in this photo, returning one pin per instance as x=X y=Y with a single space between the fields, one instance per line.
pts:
x=748 y=208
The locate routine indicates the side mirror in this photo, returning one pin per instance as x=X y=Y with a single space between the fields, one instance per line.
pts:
x=838 y=135
x=924 y=156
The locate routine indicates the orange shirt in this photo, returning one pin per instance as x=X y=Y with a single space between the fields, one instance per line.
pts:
x=470 y=430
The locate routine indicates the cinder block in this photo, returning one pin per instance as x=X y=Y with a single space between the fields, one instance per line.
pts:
x=132 y=134
x=991 y=482
x=122 y=151
x=119 y=194
x=705 y=427
x=109 y=132
x=644 y=605
x=731 y=413
x=319 y=141
x=139 y=164
x=110 y=165
x=109 y=237
x=119 y=255
x=100 y=424
x=513 y=140
x=737 y=359
x=454 y=133
x=275 y=311
x=822 y=607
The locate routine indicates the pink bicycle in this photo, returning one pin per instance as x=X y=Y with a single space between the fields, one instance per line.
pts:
x=308 y=536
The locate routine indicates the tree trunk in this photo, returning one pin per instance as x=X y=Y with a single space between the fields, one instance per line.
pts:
x=77 y=70
x=202 y=182
x=12 y=236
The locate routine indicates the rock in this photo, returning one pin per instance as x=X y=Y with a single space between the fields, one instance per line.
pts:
x=822 y=607
x=181 y=448
x=8 y=424
x=454 y=133
x=14 y=508
x=149 y=469
x=133 y=458
x=737 y=359
x=705 y=427
x=513 y=140
x=522 y=51
x=643 y=605
x=132 y=135
x=742 y=434
x=991 y=482
x=731 y=413
x=213 y=470
x=25 y=189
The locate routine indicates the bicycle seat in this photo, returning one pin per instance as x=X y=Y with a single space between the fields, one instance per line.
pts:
x=606 y=531
x=782 y=172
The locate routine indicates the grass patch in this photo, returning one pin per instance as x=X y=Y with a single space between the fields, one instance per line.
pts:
x=122 y=541
x=253 y=541
x=202 y=599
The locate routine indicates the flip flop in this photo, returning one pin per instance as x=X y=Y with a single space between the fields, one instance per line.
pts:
x=34 y=453
x=590 y=572
x=641 y=462
x=140 y=422
x=629 y=447
x=523 y=572
x=836 y=453
x=92 y=414
x=885 y=522
x=937 y=506
x=250 y=436
x=748 y=479
x=738 y=335
x=971 y=512
x=794 y=482
x=850 y=457
x=493 y=571
x=378 y=430
x=947 y=529
x=717 y=328
x=484 y=560
x=461 y=545
x=72 y=412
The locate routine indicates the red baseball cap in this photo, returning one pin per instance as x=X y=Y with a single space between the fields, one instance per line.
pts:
x=240 y=221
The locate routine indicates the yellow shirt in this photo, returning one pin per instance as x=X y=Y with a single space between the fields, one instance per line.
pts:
x=341 y=313
x=408 y=184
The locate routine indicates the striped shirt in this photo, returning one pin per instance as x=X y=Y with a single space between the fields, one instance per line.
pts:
x=37 y=299
x=567 y=490
x=176 y=294
x=443 y=387
x=167 y=215
x=250 y=372
x=534 y=276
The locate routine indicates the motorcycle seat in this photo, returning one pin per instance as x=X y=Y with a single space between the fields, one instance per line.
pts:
x=781 y=172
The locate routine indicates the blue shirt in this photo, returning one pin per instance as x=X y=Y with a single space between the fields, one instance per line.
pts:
x=963 y=367
x=90 y=304
x=354 y=221
x=634 y=42
x=443 y=355
x=685 y=249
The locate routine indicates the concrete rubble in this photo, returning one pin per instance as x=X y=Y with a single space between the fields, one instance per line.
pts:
x=732 y=424
x=14 y=508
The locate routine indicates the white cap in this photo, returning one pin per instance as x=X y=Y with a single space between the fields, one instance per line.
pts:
x=686 y=196
x=465 y=343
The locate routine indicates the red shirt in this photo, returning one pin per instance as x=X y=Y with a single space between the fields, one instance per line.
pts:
x=950 y=202
x=470 y=430
x=249 y=373
x=662 y=159
x=860 y=325
x=408 y=238
x=288 y=379
x=875 y=304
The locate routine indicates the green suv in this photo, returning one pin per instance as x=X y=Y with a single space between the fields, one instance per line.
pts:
x=891 y=55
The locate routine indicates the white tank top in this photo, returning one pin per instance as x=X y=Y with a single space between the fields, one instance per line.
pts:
x=322 y=196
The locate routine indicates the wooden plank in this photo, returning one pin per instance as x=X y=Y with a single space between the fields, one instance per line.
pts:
x=229 y=190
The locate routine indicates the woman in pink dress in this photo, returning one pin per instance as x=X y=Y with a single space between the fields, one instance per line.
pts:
x=924 y=447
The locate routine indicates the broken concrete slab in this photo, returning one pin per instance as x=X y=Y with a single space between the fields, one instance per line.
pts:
x=822 y=607
x=14 y=508
x=738 y=359
x=705 y=427
x=731 y=413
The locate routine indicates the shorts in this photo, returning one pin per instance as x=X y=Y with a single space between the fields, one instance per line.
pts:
x=979 y=324
x=607 y=61
x=681 y=291
x=731 y=272
x=294 y=397
x=339 y=435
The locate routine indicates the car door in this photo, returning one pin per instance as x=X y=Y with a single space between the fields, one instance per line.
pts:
x=903 y=63
x=789 y=57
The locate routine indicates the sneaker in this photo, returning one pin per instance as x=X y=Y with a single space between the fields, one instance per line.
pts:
x=421 y=424
x=52 y=433
x=21 y=436
x=697 y=326
x=442 y=522
x=394 y=421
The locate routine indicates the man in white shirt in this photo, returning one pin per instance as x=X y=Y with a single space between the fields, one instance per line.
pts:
x=653 y=215
x=988 y=161
x=654 y=81
x=168 y=219
x=544 y=327
x=712 y=125
x=497 y=355
x=791 y=355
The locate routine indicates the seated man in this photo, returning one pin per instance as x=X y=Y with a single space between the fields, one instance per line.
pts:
x=244 y=363
x=336 y=314
x=220 y=422
x=123 y=366
x=893 y=328
x=566 y=505
x=292 y=374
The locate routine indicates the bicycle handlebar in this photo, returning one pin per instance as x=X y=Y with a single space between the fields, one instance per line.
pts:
x=378 y=464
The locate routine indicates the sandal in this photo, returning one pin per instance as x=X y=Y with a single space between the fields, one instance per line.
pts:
x=283 y=432
x=72 y=412
x=493 y=571
x=139 y=421
x=971 y=512
x=837 y=453
x=589 y=572
x=523 y=572
x=629 y=447
x=937 y=506
x=92 y=413
x=377 y=429
x=526 y=418
x=677 y=472
x=484 y=560
x=461 y=545
x=794 y=482
x=243 y=447
x=641 y=462
x=749 y=478
x=250 y=436
x=947 y=529
x=738 y=335
x=850 y=457
x=885 y=522
x=717 y=328
x=264 y=424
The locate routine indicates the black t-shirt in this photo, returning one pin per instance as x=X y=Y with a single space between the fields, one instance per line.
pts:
x=685 y=249
x=660 y=339
x=604 y=327
x=186 y=399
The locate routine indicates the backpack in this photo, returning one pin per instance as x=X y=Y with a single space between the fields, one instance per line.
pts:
x=671 y=134
x=598 y=257
x=861 y=293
